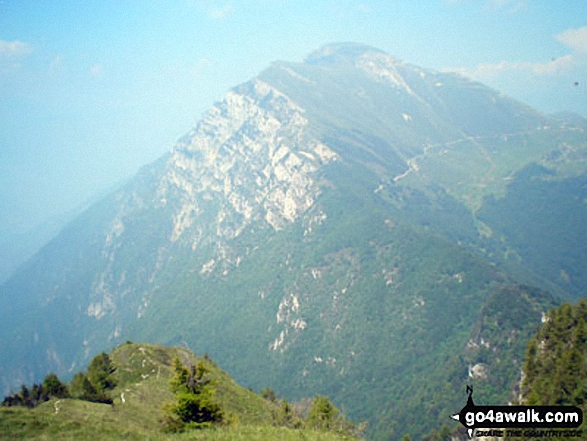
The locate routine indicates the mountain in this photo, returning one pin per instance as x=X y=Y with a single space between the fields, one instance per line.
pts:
x=352 y=225
x=572 y=119
x=554 y=372
x=16 y=249
x=143 y=374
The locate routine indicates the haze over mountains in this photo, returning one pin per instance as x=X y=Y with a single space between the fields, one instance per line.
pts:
x=351 y=225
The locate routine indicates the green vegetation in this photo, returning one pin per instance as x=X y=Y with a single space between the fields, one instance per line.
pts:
x=506 y=323
x=554 y=371
x=324 y=415
x=542 y=218
x=195 y=405
x=408 y=276
x=556 y=355
x=51 y=387
x=159 y=393
x=94 y=385
x=100 y=373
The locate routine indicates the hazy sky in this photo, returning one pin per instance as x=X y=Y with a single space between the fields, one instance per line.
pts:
x=92 y=90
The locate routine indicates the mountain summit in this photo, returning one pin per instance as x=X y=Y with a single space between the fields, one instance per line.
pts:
x=351 y=225
x=337 y=53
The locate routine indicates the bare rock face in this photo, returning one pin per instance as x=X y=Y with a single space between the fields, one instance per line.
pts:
x=383 y=68
x=249 y=161
x=253 y=151
x=314 y=232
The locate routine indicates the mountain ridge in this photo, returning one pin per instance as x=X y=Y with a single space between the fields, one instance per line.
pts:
x=320 y=225
x=141 y=398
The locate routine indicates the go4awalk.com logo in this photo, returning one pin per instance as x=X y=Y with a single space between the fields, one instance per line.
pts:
x=512 y=421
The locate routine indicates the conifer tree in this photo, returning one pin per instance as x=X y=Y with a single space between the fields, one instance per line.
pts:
x=100 y=373
x=54 y=387
x=195 y=405
x=322 y=414
x=81 y=387
x=554 y=370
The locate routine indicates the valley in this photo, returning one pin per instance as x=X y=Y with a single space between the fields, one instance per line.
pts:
x=352 y=226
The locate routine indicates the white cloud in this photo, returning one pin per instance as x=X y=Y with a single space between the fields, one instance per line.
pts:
x=502 y=5
x=518 y=6
x=11 y=52
x=576 y=39
x=56 y=66
x=200 y=67
x=96 y=70
x=14 y=48
x=363 y=8
x=213 y=9
x=220 y=13
x=514 y=5
x=552 y=67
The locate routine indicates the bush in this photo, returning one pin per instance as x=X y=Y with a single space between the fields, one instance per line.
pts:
x=195 y=406
x=51 y=387
x=322 y=414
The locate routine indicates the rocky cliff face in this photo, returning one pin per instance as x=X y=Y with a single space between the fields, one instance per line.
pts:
x=316 y=232
x=249 y=163
x=251 y=151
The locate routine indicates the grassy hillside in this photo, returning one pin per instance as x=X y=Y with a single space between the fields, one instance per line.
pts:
x=325 y=229
x=143 y=373
x=554 y=371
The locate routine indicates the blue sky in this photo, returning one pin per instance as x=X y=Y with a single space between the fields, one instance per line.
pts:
x=90 y=91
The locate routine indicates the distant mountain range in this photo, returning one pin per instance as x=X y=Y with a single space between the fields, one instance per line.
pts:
x=352 y=225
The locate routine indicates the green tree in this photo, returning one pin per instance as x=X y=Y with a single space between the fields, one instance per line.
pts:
x=38 y=395
x=195 y=405
x=322 y=414
x=25 y=395
x=81 y=387
x=30 y=398
x=287 y=416
x=269 y=394
x=101 y=373
x=444 y=434
x=554 y=370
x=54 y=387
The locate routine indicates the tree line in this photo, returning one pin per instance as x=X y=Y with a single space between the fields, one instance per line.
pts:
x=195 y=406
x=92 y=385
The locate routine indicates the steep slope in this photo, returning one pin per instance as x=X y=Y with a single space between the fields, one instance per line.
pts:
x=143 y=374
x=329 y=227
x=542 y=219
x=554 y=371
